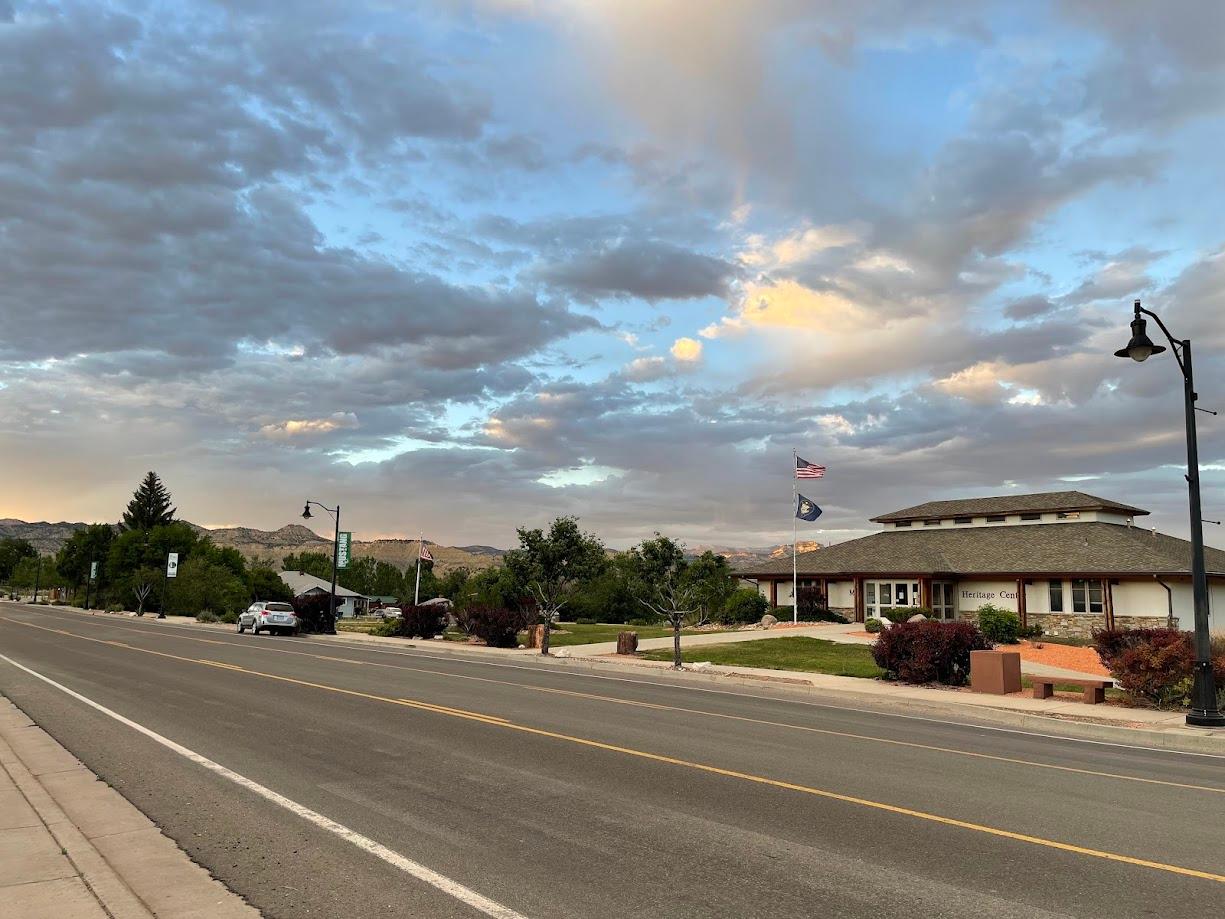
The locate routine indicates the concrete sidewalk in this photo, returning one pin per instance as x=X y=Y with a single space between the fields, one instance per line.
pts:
x=71 y=847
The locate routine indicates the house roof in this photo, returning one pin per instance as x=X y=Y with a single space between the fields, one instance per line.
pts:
x=302 y=583
x=1091 y=547
x=1011 y=504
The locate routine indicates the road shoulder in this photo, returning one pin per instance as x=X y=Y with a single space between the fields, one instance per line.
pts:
x=80 y=849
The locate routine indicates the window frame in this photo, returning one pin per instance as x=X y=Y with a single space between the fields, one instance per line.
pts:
x=1054 y=596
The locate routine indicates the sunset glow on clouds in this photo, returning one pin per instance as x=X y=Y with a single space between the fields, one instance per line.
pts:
x=469 y=265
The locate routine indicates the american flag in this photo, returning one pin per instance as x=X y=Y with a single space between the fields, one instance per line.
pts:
x=807 y=470
x=424 y=553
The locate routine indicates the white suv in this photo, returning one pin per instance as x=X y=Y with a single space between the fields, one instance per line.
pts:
x=267 y=616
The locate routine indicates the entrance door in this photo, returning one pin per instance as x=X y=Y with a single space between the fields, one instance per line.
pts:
x=943 y=606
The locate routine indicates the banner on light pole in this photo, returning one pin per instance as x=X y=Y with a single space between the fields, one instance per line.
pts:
x=93 y=571
x=172 y=565
x=343 y=544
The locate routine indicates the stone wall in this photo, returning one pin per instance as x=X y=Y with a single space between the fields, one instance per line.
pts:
x=1079 y=625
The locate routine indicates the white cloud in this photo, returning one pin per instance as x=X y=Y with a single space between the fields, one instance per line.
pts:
x=309 y=427
x=687 y=350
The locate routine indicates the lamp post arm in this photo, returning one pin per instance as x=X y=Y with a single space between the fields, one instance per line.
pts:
x=1176 y=345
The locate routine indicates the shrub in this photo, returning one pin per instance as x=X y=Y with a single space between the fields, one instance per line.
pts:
x=999 y=625
x=813 y=608
x=498 y=626
x=1152 y=665
x=896 y=614
x=206 y=615
x=780 y=612
x=229 y=616
x=742 y=605
x=314 y=614
x=873 y=625
x=641 y=621
x=1030 y=631
x=586 y=620
x=418 y=621
x=929 y=652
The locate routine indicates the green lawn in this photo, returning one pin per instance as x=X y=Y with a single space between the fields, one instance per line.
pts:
x=813 y=655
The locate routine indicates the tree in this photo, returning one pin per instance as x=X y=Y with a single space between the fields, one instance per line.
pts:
x=712 y=582
x=316 y=563
x=664 y=587
x=133 y=550
x=92 y=544
x=141 y=584
x=552 y=566
x=358 y=576
x=35 y=570
x=389 y=581
x=204 y=583
x=150 y=505
x=11 y=552
x=264 y=583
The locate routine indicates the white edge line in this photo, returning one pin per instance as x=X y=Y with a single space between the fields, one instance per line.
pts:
x=433 y=878
x=461 y=657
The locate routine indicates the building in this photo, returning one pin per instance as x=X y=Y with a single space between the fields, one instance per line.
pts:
x=350 y=604
x=1065 y=561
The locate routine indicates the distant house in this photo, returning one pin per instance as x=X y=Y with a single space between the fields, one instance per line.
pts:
x=351 y=603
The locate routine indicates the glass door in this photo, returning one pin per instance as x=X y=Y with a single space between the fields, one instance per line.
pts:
x=943 y=600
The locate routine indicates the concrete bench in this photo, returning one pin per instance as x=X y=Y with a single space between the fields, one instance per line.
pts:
x=1094 y=690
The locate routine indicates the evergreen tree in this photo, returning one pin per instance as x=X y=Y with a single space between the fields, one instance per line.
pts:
x=149 y=507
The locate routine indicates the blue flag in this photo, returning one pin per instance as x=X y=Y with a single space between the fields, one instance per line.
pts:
x=806 y=509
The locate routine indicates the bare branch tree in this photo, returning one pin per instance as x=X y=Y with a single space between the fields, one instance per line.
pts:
x=142 y=591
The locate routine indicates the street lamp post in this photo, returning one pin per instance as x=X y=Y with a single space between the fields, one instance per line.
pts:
x=335 y=512
x=1204 y=709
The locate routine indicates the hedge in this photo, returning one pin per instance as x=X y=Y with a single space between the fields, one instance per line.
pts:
x=1155 y=665
x=929 y=652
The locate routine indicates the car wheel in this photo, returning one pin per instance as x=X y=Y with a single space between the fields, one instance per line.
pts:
x=254 y=629
x=241 y=628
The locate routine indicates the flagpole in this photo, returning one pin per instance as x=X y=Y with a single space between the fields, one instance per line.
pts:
x=795 y=594
x=417 y=588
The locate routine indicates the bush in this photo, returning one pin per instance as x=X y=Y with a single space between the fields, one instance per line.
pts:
x=229 y=616
x=814 y=609
x=586 y=620
x=1030 y=632
x=897 y=614
x=641 y=621
x=314 y=614
x=781 y=612
x=929 y=652
x=873 y=625
x=418 y=621
x=206 y=615
x=1154 y=665
x=498 y=626
x=999 y=625
x=742 y=605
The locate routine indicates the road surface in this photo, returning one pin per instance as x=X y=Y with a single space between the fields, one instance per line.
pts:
x=327 y=781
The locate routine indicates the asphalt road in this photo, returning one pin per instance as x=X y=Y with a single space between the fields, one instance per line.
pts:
x=558 y=792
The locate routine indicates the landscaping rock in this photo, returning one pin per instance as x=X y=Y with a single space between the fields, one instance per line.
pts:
x=768 y=621
x=917 y=617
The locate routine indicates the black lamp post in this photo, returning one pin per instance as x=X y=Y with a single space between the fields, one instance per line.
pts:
x=1204 y=709
x=335 y=512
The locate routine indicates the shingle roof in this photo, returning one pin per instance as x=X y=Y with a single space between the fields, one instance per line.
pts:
x=1010 y=504
x=1081 y=548
x=300 y=582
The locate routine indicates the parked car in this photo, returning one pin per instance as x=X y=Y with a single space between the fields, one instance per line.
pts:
x=266 y=616
x=388 y=612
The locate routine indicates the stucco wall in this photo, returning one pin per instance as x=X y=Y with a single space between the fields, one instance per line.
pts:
x=973 y=594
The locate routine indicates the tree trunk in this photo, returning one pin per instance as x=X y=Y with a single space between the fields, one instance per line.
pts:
x=676 y=644
x=544 y=638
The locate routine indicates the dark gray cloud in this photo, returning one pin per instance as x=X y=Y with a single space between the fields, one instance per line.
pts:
x=650 y=269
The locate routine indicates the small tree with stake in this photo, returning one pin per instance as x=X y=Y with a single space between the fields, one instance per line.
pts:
x=663 y=585
x=552 y=566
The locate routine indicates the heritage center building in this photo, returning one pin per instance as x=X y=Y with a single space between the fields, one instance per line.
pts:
x=1064 y=560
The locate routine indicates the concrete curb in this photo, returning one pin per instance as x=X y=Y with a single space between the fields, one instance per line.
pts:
x=134 y=870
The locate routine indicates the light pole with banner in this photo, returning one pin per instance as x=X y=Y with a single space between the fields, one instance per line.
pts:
x=1205 y=711
x=337 y=558
x=89 y=582
x=172 y=571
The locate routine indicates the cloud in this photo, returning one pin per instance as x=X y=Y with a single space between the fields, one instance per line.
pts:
x=651 y=270
x=687 y=350
x=309 y=427
x=646 y=369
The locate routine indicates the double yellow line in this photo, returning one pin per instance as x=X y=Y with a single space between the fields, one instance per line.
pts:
x=495 y=721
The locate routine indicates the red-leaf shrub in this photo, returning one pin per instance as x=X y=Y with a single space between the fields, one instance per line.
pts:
x=497 y=626
x=313 y=614
x=418 y=621
x=1154 y=665
x=929 y=652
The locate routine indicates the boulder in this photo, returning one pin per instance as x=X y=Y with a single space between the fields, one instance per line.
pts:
x=768 y=621
x=917 y=617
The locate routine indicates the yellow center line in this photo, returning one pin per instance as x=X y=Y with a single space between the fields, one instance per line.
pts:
x=828 y=732
x=700 y=767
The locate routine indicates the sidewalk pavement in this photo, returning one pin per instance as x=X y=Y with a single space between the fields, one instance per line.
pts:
x=71 y=847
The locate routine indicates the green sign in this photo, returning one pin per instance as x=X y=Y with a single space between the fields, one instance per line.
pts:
x=342 y=549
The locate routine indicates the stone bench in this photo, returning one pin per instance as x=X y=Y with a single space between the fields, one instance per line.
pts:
x=1094 y=690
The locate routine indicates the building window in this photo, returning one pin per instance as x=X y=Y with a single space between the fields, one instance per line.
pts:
x=902 y=523
x=1068 y=515
x=931 y=523
x=1056 y=589
x=899 y=595
x=998 y=518
x=1087 y=596
x=870 y=596
x=1031 y=516
x=963 y=520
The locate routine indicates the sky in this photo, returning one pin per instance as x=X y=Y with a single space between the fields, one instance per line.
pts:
x=466 y=265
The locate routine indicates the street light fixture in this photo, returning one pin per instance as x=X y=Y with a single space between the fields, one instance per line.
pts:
x=1205 y=711
x=335 y=512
